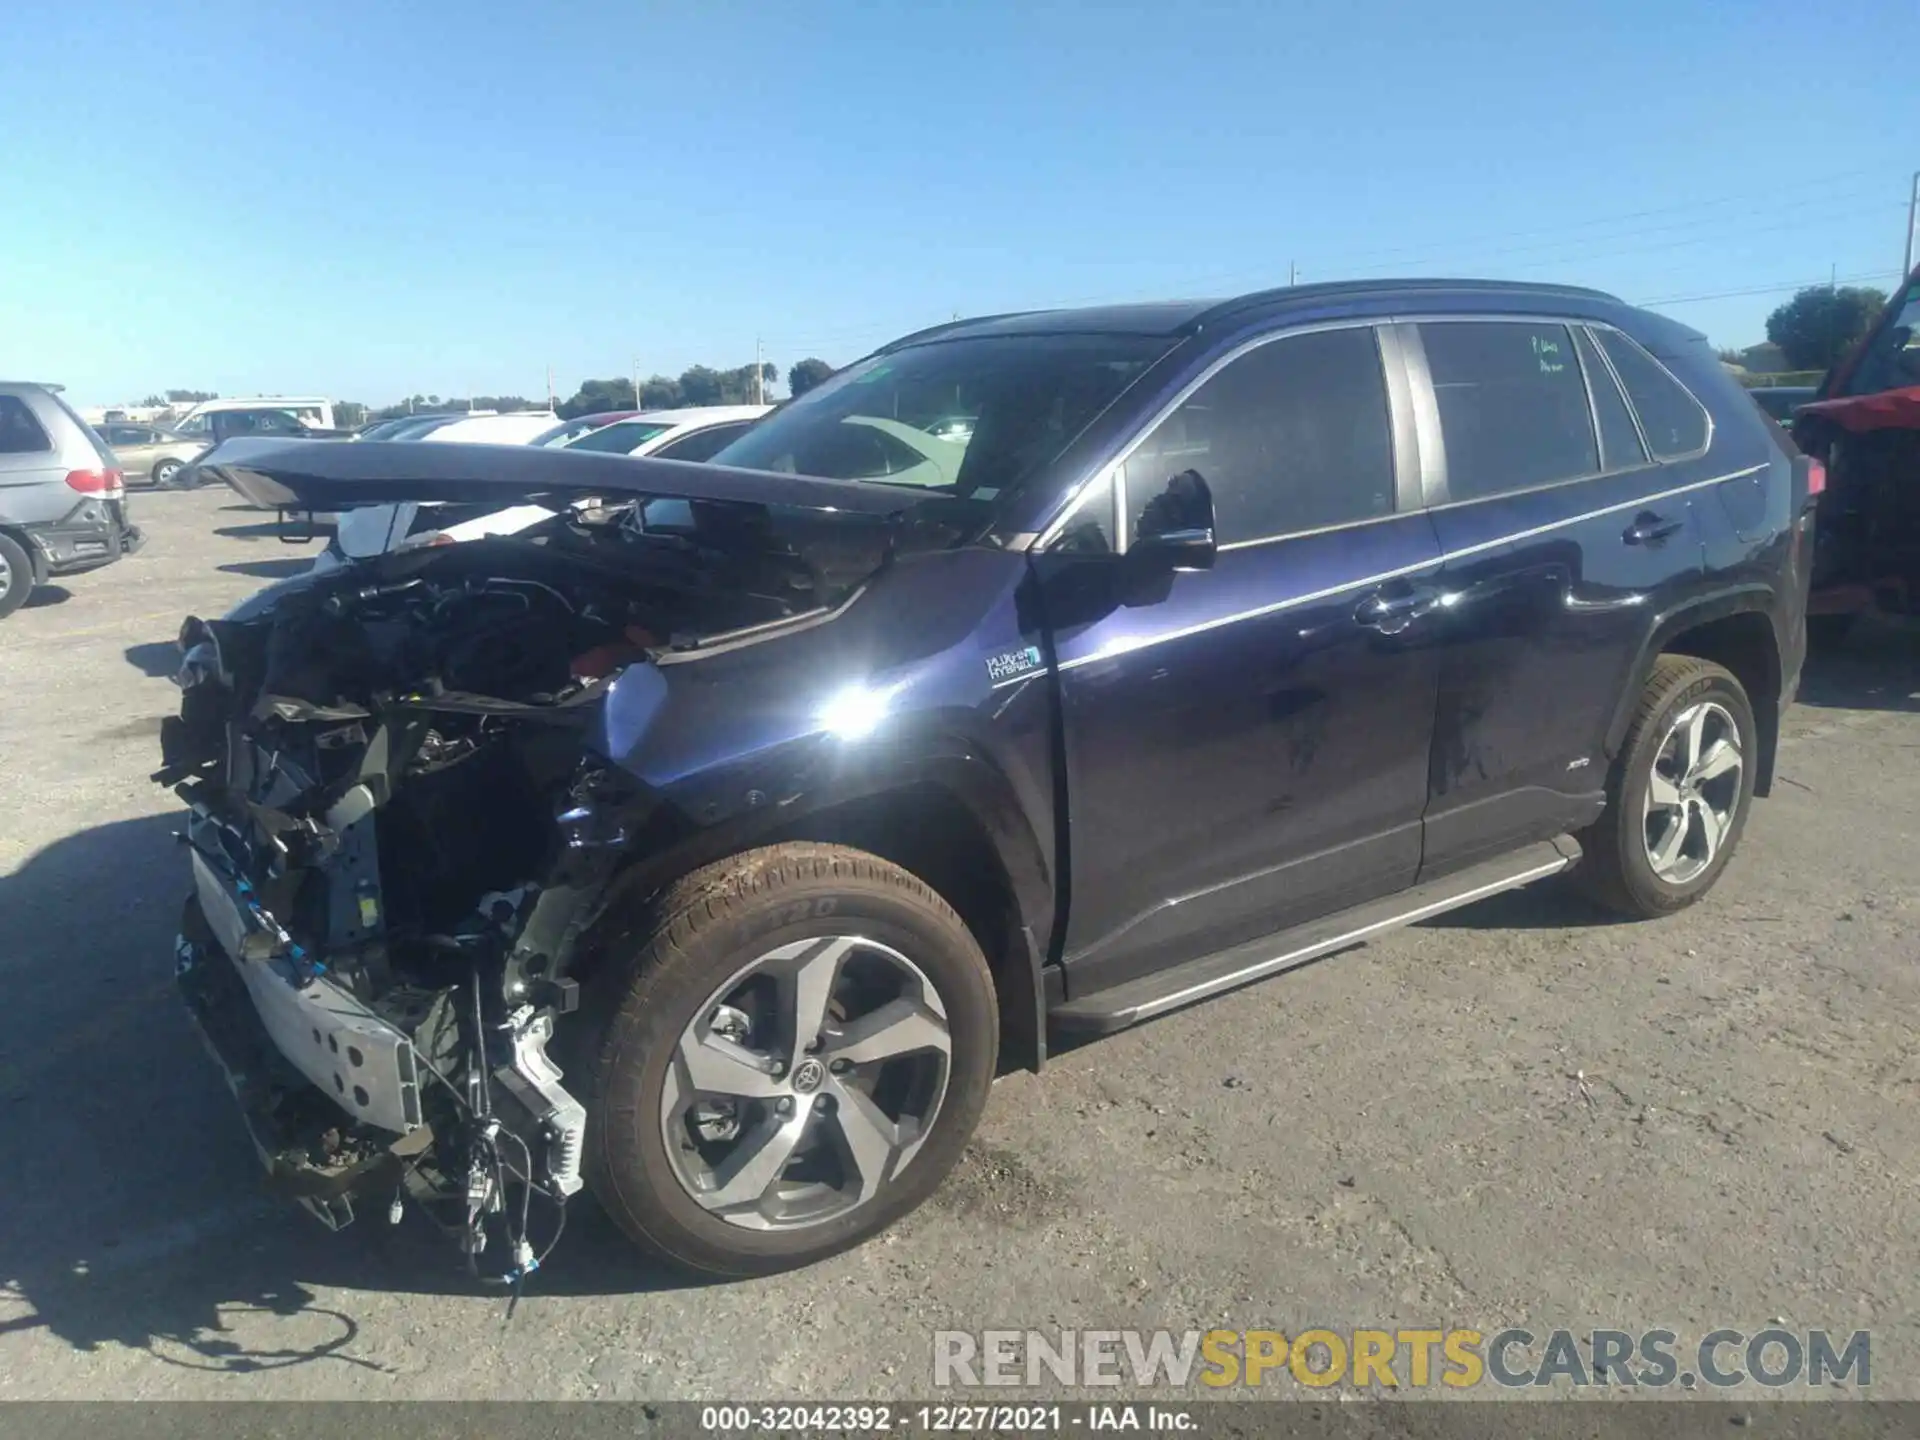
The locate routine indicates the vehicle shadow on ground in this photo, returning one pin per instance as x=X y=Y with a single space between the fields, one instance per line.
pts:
x=270 y=569
x=263 y=530
x=135 y=1212
x=45 y=595
x=1555 y=903
x=1877 y=667
x=158 y=659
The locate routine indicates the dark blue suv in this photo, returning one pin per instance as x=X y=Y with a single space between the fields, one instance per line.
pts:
x=1036 y=674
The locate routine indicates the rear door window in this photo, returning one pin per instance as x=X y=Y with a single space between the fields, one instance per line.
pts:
x=1620 y=447
x=702 y=444
x=20 y=432
x=1674 y=422
x=1513 y=405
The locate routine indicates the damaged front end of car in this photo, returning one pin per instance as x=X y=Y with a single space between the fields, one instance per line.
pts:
x=402 y=818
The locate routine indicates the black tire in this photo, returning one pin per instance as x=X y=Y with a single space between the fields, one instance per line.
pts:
x=1616 y=870
x=1829 y=632
x=166 y=474
x=655 y=977
x=16 y=575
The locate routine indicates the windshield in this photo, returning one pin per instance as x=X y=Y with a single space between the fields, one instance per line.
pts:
x=620 y=438
x=566 y=430
x=972 y=418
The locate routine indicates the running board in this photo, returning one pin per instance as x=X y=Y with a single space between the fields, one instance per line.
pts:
x=1141 y=999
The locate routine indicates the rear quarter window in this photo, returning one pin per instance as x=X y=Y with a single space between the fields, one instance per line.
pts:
x=1674 y=423
x=21 y=433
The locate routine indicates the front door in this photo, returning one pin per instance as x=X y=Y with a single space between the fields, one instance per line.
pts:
x=1249 y=748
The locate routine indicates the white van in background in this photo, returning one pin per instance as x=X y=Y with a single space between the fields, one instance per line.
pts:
x=313 y=411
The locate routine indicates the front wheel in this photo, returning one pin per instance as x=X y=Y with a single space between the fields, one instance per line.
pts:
x=1679 y=793
x=795 y=1053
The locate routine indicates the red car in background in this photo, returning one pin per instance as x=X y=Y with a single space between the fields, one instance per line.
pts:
x=1864 y=427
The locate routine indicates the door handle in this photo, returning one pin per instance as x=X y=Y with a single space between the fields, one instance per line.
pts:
x=1650 y=529
x=1390 y=614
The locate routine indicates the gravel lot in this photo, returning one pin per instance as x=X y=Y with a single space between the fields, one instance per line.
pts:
x=1518 y=1115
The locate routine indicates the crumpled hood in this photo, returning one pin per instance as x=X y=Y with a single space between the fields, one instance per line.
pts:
x=307 y=475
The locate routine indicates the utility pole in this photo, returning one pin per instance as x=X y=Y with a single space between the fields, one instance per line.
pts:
x=636 y=382
x=1913 y=214
x=549 y=388
x=1293 y=273
x=759 y=375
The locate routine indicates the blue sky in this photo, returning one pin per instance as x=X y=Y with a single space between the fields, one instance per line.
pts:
x=368 y=200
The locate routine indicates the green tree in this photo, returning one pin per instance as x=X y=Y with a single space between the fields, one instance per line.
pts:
x=349 y=413
x=702 y=385
x=595 y=396
x=1816 y=327
x=660 y=392
x=191 y=397
x=803 y=375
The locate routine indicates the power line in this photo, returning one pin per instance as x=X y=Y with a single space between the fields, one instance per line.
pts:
x=1769 y=289
x=1575 y=234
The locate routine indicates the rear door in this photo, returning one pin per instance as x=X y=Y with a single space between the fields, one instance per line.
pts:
x=1248 y=748
x=1563 y=541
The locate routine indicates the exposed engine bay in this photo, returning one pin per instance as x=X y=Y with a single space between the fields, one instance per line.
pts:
x=400 y=833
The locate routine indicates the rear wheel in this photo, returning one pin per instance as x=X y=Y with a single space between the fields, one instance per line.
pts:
x=794 y=1057
x=16 y=575
x=1678 y=797
x=166 y=473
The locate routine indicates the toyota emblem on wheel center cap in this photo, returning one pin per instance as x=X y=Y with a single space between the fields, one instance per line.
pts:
x=807 y=1076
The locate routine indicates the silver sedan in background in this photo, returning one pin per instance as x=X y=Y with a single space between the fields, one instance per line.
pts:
x=147 y=454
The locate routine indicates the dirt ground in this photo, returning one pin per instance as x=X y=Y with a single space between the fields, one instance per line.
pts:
x=1520 y=1114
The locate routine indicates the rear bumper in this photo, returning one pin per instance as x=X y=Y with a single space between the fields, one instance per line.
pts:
x=97 y=533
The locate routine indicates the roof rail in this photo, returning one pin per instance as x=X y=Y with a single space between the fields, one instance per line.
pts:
x=1332 y=289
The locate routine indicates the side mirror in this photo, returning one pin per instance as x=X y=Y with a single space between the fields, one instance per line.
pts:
x=1176 y=528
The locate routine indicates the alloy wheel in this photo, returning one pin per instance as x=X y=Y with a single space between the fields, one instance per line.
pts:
x=806 y=1082
x=1693 y=792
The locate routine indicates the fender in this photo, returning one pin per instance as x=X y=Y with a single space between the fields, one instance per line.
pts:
x=821 y=785
x=1696 y=611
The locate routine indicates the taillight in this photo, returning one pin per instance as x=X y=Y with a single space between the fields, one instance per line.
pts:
x=95 y=482
x=1816 y=478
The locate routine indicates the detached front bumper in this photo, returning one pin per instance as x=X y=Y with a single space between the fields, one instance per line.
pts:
x=96 y=533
